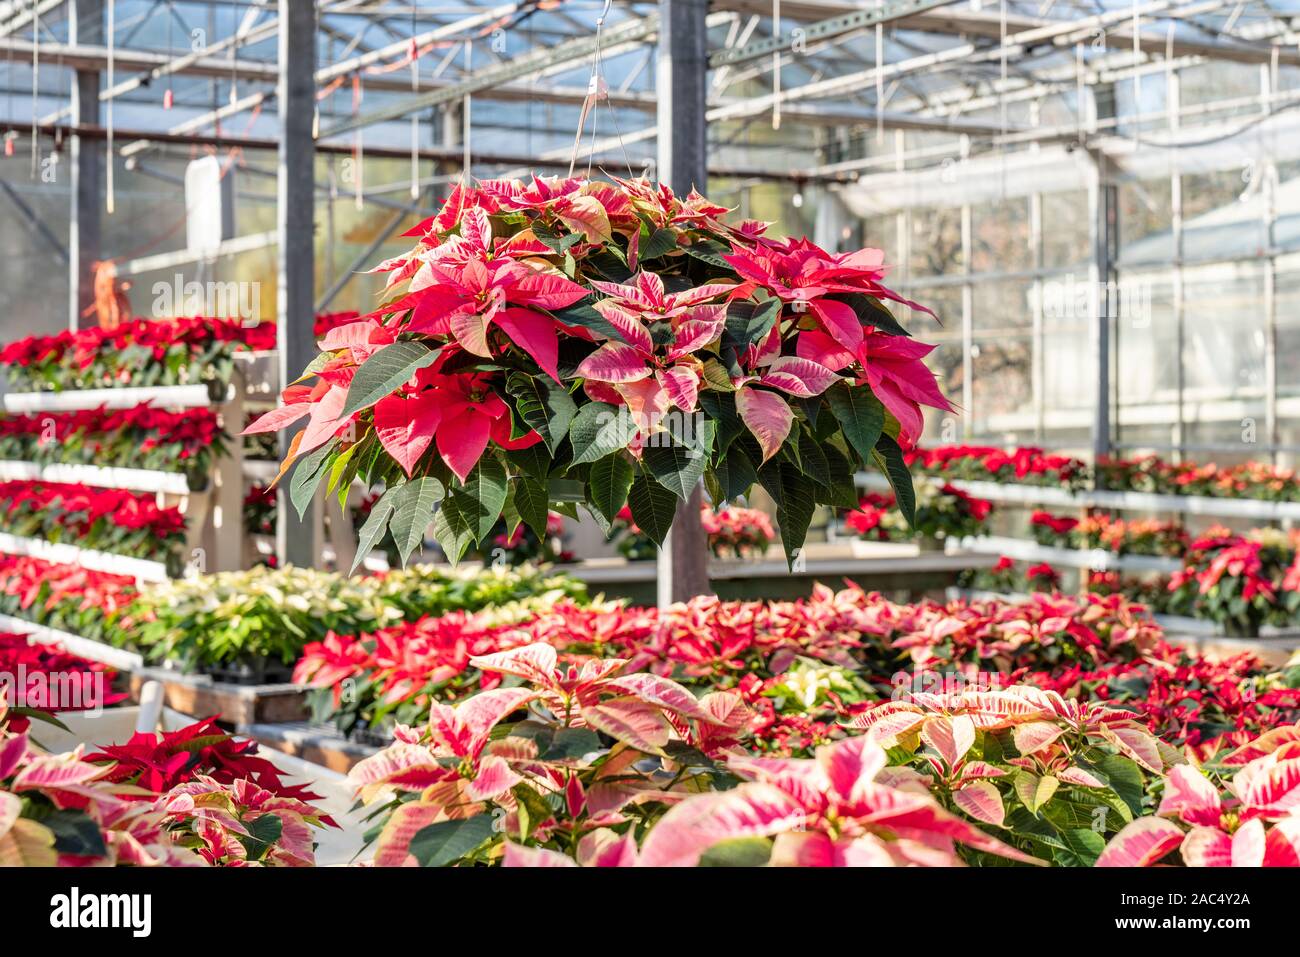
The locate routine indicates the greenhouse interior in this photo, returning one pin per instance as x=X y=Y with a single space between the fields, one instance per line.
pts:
x=616 y=433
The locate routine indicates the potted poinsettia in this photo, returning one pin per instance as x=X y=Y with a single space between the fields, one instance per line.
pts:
x=559 y=342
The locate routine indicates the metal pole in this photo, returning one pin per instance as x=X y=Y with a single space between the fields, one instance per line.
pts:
x=681 y=82
x=296 y=539
x=1104 y=201
x=85 y=25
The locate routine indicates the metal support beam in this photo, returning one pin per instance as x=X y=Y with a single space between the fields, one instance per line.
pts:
x=631 y=32
x=832 y=28
x=85 y=25
x=681 y=81
x=296 y=539
x=1103 y=201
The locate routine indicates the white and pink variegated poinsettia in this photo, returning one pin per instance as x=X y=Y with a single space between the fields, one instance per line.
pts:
x=567 y=341
x=843 y=808
x=1256 y=823
x=532 y=760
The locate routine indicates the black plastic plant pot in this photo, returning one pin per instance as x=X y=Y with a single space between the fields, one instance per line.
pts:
x=255 y=672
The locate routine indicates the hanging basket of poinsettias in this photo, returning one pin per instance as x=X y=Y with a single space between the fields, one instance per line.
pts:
x=565 y=341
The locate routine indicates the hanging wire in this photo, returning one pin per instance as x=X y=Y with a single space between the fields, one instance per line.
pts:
x=880 y=78
x=414 y=53
x=465 y=121
x=776 y=66
x=1137 y=57
x=234 y=68
x=1002 y=54
x=36 y=75
x=9 y=97
x=169 y=97
x=1080 y=89
x=597 y=86
x=110 y=199
x=357 y=145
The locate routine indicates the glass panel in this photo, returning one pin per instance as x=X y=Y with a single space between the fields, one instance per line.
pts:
x=1002 y=389
x=1224 y=354
x=934 y=248
x=1002 y=307
x=1146 y=221
x=1217 y=80
x=1222 y=214
x=1000 y=236
x=1065 y=228
x=946 y=364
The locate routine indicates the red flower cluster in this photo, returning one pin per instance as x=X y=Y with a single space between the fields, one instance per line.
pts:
x=69 y=597
x=82 y=685
x=1056 y=526
x=1042 y=577
x=188 y=349
x=867 y=517
x=1151 y=473
x=737 y=531
x=397 y=672
x=1241 y=581
x=160 y=762
x=1208 y=705
x=1136 y=537
x=158 y=335
x=142 y=436
x=731 y=530
x=987 y=463
x=942 y=511
x=326 y=321
x=107 y=519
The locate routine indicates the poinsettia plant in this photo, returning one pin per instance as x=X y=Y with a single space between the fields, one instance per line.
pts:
x=566 y=341
x=571 y=768
x=112 y=520
x=1240 y=581
x=1256 y=823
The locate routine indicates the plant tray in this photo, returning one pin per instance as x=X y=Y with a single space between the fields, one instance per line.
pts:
x=202 y=696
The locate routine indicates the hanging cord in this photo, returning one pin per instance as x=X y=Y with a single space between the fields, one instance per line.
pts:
x=357 y=146
x=9 y=98
x=776 y=66
x=1137 y=61
x=596 y=85
x=880 y=78
x=414 y=53
x=169 y=97
x=465 y=122
x=36 y=76
x=234 y=70
x=1003 y=69
x=110 y=200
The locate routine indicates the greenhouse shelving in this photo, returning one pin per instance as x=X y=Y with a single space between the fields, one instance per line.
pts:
x=135 y=480
x=75 y=644
x=1015 y=494
x=212 y=539
x=1093 y=559
x=65 y=553
x=125 y=397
